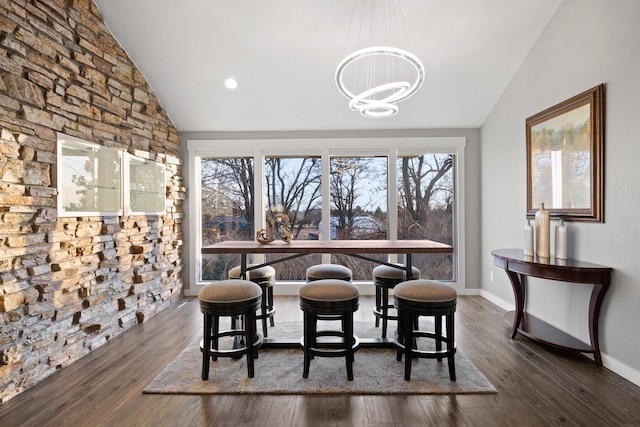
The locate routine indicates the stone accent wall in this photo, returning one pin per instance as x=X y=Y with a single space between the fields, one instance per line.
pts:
x=68 y=285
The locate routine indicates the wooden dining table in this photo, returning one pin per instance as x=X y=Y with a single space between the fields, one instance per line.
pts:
x=355 y=248
x=362 y=249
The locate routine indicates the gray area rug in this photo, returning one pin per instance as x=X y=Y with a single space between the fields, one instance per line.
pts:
x=279 y=371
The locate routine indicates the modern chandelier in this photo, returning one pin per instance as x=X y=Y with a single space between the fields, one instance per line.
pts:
x=376 y=75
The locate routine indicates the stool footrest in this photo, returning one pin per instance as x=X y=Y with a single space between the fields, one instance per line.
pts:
x=269 y=313
x=235 y=351
x=424 y=353
x=379 y=314
x=334 y=348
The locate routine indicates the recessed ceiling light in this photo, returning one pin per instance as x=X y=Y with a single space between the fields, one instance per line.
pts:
x=230 y=83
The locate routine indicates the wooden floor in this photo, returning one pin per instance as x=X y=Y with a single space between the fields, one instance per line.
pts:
x=536 y=387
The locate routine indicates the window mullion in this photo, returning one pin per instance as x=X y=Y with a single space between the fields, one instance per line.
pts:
x=326 y=200
x=392 y=198
x=258 y=197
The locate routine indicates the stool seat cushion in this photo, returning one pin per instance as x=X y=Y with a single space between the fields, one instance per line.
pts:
x=329 y=290
x=425 y=291
x=230 y=291
x=266 y=272
x=392 y=273
x=328 y=271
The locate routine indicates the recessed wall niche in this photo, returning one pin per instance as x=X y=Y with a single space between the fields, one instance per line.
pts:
x=88 y=178
x=146 y=186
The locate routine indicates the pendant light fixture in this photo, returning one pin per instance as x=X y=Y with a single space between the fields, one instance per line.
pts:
x=377 y=74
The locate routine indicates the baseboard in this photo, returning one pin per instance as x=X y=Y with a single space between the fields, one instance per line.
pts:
x=625 y=371
x=507 y=306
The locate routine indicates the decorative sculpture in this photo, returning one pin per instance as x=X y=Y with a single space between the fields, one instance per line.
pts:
x=280 y=226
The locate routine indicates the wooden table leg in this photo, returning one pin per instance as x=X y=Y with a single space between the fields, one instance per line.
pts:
x=597 y=295
x=518 y=283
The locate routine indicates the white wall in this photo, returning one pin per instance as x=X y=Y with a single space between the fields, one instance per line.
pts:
x=586 y=43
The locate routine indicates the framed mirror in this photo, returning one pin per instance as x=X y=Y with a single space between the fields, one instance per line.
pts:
x=565 y=158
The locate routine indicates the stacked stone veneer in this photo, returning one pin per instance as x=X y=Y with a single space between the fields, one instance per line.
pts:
x=68 y=285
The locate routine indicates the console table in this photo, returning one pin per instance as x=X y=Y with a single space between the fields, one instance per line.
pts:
x=518 y=267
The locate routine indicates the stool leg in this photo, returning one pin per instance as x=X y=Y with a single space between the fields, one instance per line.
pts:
x=270 y=304
x=385 y=310
x=378 y=303
x=307 y=339
x=250 y=331
x=348 y=342
x=451 y=346
x=239 y=340
x=400 y=334
x=206 y=343
x=408 y=322
x=263 y=311
x=438 y=334
x=215 y=327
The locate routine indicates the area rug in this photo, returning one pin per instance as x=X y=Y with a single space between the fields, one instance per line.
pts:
x=279 y=371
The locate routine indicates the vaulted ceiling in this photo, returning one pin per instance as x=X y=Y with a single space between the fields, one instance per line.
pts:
x=284 y=54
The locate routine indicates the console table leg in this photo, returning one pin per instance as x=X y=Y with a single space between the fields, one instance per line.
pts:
x=597 y=295
x=518 y=285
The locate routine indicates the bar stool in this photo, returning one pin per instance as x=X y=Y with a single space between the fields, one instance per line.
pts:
x=329 y=299
x=230 y=298
x=385 y=278
x=415 y=298
x=328 y=271
x=265 y=277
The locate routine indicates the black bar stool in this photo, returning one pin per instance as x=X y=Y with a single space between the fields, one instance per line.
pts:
x=386 y=278
x=415 y=298
x=328 y=271
x=333 y=300
x=230 y=298
x=265 y=277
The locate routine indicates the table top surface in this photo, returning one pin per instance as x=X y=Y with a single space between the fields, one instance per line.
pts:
x=329 y=246
x=517 y=255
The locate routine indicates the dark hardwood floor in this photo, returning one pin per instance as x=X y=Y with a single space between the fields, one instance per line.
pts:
x=536 y=386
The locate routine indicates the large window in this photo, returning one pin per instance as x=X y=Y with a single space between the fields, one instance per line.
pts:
x=426 y=207
x=293 y=186
x=226 y=209
x=398 y=188
x=359 y=206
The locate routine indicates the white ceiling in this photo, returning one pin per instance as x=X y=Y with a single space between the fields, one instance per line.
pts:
x=284 y=54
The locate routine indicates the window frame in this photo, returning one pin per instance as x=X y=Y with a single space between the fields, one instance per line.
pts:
x=325 y=148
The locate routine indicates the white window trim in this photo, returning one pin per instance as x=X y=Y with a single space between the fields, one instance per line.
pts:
x=326 y=148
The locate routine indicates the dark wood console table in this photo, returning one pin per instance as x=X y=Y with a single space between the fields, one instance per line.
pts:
x=518 y=267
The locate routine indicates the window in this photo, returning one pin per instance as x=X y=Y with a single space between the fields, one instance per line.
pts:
x=88 y=178
x=293 y=186
x=226 y=209
x=426 y=206
x=359 y=206
x=376 y=188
